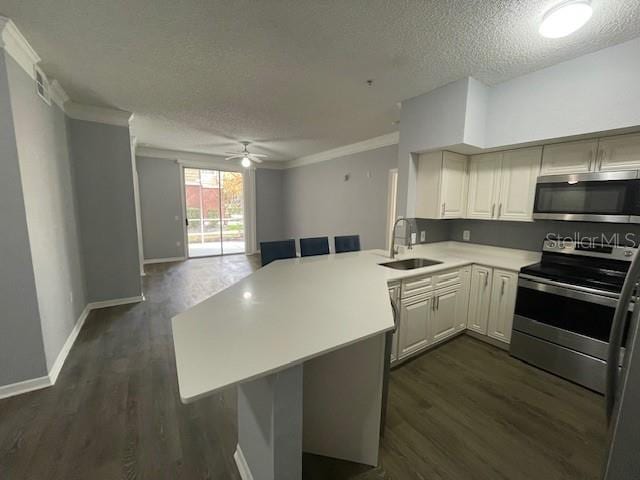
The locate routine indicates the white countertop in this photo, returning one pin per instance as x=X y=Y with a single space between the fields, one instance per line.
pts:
x=295 y=310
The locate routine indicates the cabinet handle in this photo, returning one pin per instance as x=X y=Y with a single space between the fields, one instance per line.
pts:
x=437 y=303
x=590 y=160
x=600 y=159
x=504 y=280
x=493 y=209
x=499 y=210
x=486 y=279
x=443 y=204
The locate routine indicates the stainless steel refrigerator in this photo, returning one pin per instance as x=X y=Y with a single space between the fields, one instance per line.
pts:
x=622 y=461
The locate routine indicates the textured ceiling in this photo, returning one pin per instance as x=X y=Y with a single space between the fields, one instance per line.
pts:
x=290 y=75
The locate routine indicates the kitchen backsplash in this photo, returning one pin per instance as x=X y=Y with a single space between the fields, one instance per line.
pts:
x=524 y=235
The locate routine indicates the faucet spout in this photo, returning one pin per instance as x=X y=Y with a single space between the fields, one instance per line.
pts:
x=392 y=250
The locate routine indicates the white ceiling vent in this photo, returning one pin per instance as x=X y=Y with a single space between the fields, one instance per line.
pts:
x=42 y=85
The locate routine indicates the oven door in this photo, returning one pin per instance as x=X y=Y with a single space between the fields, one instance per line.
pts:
x=575 y=317
x=594 y=197
x=563 y=329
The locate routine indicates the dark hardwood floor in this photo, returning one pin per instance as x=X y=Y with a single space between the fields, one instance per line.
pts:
x=465 y=410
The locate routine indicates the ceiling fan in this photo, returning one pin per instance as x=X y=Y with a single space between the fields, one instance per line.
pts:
x=246 y=156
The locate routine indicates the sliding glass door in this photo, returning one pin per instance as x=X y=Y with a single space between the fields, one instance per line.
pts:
x=214 y=201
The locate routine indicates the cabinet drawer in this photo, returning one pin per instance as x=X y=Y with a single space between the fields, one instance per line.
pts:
x=415 y=286
x=445 y=279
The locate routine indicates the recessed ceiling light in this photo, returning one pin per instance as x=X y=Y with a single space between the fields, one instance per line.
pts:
x=565 y=18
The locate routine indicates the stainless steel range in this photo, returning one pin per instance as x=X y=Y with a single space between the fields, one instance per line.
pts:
x=565 y=307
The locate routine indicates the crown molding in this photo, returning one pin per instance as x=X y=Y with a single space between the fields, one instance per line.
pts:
x=57 y=94
x=364 y=146
x=196 y=158
x=91 y=113
x=17 y=46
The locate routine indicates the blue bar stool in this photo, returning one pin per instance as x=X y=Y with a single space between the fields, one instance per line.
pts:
x=270 y=251
x=314 y=246
x=347 y=243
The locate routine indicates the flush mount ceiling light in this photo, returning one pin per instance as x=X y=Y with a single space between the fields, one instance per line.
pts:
x=246 y=162
x=565 y=18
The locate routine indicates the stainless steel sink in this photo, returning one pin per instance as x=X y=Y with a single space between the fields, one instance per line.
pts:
x=410 y=263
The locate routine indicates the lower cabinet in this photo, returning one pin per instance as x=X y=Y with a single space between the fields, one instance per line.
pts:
x=432 y=316
x=415 y=315
x=394 y=295
x=503 y=302
x=480 y=296
x=449 y=306
x=492 y=301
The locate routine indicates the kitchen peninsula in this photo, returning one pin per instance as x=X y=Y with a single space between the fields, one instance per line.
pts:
x=304 y=341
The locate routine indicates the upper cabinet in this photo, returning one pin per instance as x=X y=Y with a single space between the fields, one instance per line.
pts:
x=441 y=185
x=484 y=185
x=571 y=157
x=621 y=152
x=502 y=184
x=518 y=183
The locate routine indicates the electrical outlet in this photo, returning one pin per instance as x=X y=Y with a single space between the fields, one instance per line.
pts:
x=423 y=235
x=466 y=235
x=176 y=218
x=178 y=244
x=413 y=238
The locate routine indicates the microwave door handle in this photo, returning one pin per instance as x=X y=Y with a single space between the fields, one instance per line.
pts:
x=617 y=334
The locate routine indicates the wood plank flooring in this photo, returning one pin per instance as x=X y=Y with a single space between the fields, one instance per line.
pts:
x=463 y=411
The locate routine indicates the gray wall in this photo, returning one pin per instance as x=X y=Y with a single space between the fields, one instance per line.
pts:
x=103 y=175
x=529 y=235
x=270 y=222
x=318 y=201
x=160 y=207
x=49 y=199
x=21 y=348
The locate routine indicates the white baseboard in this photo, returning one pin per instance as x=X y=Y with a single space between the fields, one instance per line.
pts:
x=115 y=302
x=164 y=260
x=50 y=379
x=19 y=388
x=241 y=463
x=66 y=348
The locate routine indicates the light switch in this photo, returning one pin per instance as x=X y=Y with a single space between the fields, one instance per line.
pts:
x=413 y=238
x=423 y=235
x=466 y=235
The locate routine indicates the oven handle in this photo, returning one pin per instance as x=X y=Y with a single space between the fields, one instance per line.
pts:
x=570 y=291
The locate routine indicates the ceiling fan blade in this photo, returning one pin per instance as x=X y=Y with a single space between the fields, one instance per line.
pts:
x=258 y=155
x=257 y=160
x=233 y=153
x=234 y=156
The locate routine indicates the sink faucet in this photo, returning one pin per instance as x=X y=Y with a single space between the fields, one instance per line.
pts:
x=392 y=250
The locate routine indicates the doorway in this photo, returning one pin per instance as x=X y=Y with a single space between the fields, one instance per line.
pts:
x=214 y=212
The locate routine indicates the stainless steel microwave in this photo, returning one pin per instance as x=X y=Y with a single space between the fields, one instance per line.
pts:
x=589 y=197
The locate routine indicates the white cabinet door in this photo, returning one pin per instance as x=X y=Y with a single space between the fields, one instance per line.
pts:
x=570 y=157
x=453 y=189
x=394 y=294
x=621 y=152
x=414 y=320
x=484 y=184
x=479 y=299
x=465 y=283
x=503 y=302
x=518 y=183
x=443 y=322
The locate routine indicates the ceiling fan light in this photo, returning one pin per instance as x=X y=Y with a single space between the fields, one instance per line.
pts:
x=565 y=19
x=246 y=162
